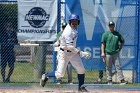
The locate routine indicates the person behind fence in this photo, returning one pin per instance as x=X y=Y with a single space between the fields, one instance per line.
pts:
x=111 y=44
x=100 y=75
x=56 y=45
x=69 y=53
x=8 y=40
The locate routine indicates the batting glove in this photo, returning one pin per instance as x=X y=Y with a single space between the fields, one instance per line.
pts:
x=85 y=55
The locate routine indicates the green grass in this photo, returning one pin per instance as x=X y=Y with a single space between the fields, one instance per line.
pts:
x=25 y=75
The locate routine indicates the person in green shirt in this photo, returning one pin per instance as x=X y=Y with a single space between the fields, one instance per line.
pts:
x=111 y=44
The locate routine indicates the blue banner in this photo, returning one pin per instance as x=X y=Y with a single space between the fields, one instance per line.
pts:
x=94 y=18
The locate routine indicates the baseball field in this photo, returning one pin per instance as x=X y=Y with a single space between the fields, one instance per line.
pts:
x=24 y=81
x=66 y=88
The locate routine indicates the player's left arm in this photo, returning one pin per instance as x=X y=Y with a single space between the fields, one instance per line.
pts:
x=122 y=41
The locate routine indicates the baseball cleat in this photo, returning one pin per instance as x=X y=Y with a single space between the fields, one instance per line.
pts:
x=100 y=80
x=70 y=82
x=113 y=73
x=110 y=82
x=123 y=82
x=82 y=89
x=59 y=81
x=43 y=80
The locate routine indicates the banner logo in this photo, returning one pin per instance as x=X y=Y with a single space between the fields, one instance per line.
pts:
x=37 y=17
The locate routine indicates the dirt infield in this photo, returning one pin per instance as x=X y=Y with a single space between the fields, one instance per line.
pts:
x=63 y=91
x=67 y=89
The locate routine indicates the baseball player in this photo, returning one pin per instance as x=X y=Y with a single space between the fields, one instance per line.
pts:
x=111 y=44
x=56 y=46
x=69 y=53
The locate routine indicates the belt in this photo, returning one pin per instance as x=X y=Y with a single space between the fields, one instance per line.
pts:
x=64 y=50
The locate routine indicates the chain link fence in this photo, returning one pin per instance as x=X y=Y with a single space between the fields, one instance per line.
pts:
x=32 y=61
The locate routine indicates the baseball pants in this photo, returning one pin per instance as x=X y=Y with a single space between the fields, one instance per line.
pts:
x=114 y=60
x=64 y=58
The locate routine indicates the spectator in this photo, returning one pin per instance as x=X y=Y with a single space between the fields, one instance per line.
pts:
x=8 y=40
x=100 y=76
x=111 y=44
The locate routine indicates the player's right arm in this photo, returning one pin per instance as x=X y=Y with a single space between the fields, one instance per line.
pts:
x=70 y=46
x=103 y=42
x=103 y=50
x=68 y=42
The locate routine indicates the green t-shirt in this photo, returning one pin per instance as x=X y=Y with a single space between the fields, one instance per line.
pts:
x=58 y=35
x=112 y=41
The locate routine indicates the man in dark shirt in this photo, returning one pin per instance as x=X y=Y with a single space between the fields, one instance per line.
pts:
x=8 y=40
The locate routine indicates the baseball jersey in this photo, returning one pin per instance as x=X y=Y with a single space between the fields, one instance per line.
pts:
x=111 y=41
x=68 y=37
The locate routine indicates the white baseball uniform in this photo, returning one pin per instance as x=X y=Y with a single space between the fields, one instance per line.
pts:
x=68 y=37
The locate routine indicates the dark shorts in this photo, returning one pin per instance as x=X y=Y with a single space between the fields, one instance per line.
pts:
x=7 y=57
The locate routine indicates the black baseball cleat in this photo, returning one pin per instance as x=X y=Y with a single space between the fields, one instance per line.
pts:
x=113 y=73
x=83 y=89
x=43 y=80
x=123 y=82
x=59 y=81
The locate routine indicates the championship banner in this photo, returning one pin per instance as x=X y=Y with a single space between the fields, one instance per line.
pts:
x=37 y=20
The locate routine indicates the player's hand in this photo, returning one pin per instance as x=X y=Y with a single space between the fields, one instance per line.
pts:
x=56 y=44
x=85 y=55
x=103 y=55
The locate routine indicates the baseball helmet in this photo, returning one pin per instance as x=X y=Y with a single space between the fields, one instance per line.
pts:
x=74 y=17
x=111 y=23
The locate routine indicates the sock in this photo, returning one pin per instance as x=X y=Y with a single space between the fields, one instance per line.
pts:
x=81 y=79
x=50 y=74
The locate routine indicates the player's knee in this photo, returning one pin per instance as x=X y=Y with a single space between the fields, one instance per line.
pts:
x=81 y=71
x=59 y=75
